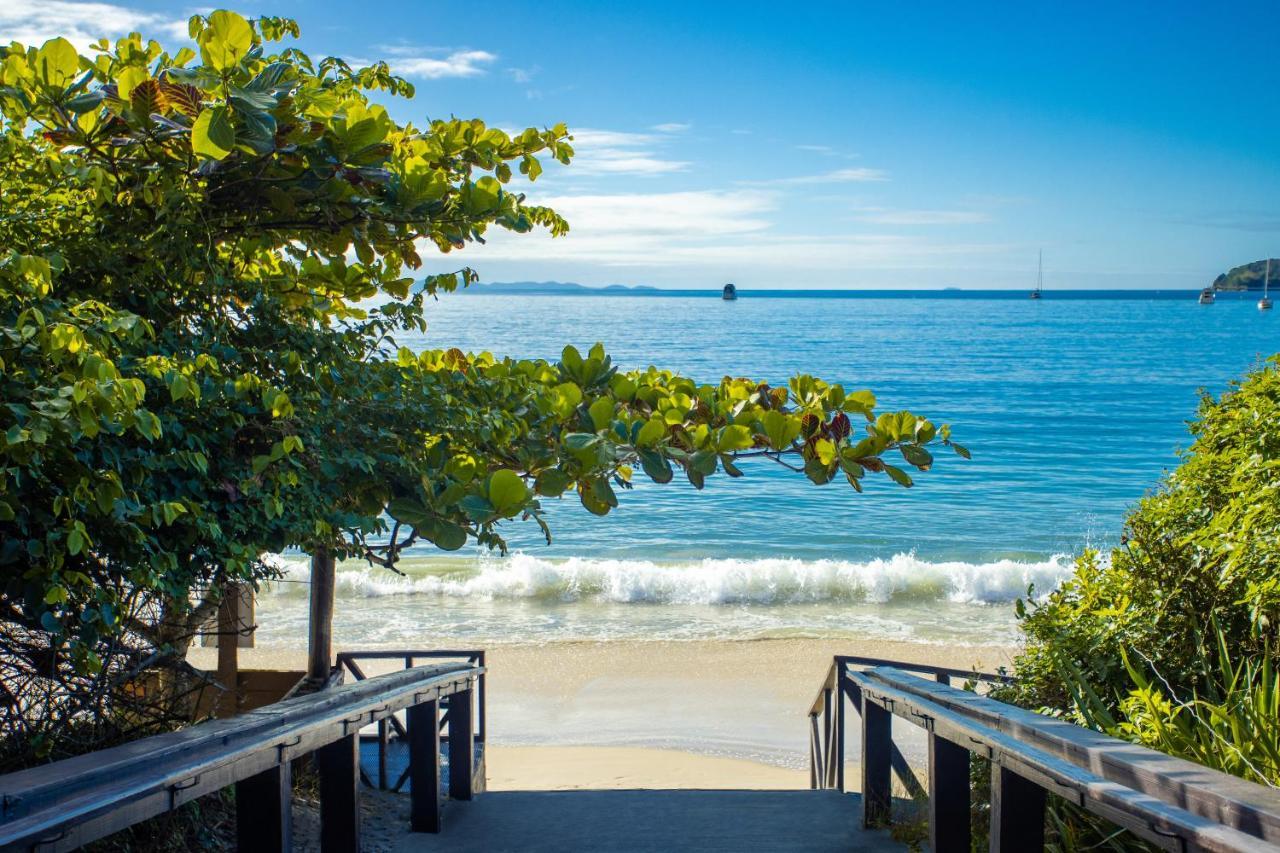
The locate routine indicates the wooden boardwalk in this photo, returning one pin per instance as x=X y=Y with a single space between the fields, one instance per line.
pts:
x=660 y=821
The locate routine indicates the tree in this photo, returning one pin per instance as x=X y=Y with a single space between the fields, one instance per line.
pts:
x=192 y=378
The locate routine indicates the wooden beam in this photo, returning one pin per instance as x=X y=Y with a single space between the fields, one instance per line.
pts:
x=948 y=796
x=462 y=745
x=264 y=811
x=877 y=748
x=339 y=764
x=320 y=630
x=228 y=703
x=1017 y=813
x=424 y=767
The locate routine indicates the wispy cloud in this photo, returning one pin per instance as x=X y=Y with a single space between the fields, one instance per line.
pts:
x=671 y=127
x=523 y=75
x=1241 y=220
x=884 y=216
x=838 y=176
x=34 y=23
x=459 y=63
x=717 y=231
x=612 y=152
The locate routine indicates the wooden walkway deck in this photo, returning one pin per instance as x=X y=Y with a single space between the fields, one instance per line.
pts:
x=658 y=821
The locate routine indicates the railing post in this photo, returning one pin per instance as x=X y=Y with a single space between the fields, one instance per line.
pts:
x=320 y=628
x=462 y=751
x=264 y=813
x=840 y=711
x=424 y=767
x=1017 y=812
x=339 y=765
x=877 y=749
x=382 y=754
x=948 y=796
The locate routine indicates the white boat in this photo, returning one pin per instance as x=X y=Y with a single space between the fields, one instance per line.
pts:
x=1035 y=294
x=1206 y=296
x=1264 y=304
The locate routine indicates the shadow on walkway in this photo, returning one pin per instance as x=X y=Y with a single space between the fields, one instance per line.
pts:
x=648 y=820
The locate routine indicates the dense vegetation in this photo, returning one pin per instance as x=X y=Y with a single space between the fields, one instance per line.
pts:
x=205 y=258
x=1247 y=276
x=1171 y=639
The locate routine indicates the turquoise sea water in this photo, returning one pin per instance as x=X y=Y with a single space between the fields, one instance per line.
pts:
x=1072 y=408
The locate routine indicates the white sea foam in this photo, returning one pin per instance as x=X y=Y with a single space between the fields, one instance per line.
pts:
x=770 y=581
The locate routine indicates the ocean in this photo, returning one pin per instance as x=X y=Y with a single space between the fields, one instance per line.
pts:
x=1073 y=406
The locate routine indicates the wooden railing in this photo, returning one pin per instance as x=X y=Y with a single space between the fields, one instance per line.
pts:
x=1172 y=803
x=65 y=804
x=827 y=723
x=392 y=728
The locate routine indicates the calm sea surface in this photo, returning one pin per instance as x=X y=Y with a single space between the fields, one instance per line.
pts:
x=1072 y=408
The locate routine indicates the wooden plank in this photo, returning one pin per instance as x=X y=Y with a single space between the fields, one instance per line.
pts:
x=339 y=765
x=320 y=627
x=1166 y=826
x=87 y=797
x=1017 y=813
x=424 y=768
x=948 y=796
x=462 y=748
x=1219 y=797
x=877 y=743
x=264 y=811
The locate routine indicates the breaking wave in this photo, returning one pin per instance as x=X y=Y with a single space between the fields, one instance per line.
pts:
x=770 y=581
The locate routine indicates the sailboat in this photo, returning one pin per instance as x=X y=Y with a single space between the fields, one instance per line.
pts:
x=1264 y=304
x=1035 y=294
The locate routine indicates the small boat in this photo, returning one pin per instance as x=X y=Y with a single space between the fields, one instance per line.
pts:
x=1035 y=294
x=1206 y=296
x=730 y=292
x=1264 y=304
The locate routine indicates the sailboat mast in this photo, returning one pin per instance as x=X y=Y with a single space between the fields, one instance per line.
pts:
x=1040 y=273
x=1266 y=281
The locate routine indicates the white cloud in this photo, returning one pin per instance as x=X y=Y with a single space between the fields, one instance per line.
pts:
x=81 y=24
x=839 y=176
x=672 y=127
x=460 y=63
x=612 y=152
x=883 y=216
x=649 y=234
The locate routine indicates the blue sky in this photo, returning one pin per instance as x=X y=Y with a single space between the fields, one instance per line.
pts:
x=840 y=144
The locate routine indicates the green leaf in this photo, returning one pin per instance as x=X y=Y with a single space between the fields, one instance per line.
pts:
x=961 y=450
x=507 y=491
x=656 y=466
x=225 y=41
x=411 y=511
x=448 y=536
x=55 y=595
x=917 y=456
x=552 y=482
x=825 y=451
x=212 y=135
x=734 y=437
x=57 y=63
x=902 y=478
x=601 y=412
x=651 y=433
x=581 y=440
x=780 y=429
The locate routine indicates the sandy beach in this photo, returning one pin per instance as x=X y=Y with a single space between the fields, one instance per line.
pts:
x=622 y=714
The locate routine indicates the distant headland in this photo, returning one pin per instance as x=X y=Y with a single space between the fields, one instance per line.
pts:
x=1247 y=276
x=557 y=287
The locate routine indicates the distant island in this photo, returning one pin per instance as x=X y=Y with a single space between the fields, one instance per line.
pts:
x=553 y=287
x=1246 y=277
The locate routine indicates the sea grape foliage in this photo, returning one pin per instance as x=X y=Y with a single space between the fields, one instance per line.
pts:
x=193 y=376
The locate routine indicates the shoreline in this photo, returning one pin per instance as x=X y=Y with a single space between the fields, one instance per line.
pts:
x=656 y=713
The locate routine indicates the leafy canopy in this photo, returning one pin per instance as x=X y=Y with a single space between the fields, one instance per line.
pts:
x=191 y=373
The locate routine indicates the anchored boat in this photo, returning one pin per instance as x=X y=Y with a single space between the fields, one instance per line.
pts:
x=730 y=292
x=1264 y=304
x=1206 y=296
x=1035 y=294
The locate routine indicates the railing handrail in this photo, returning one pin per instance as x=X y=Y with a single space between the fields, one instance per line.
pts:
x=68 y=803
x=843 y=662
x=1045 y=744
x=1174 y=803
